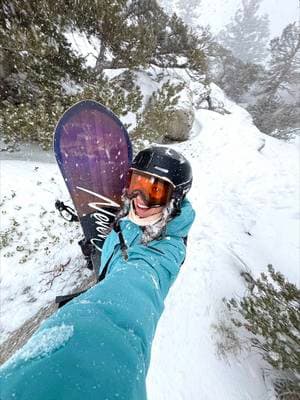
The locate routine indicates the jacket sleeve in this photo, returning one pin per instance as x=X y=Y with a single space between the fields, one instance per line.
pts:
x=133 y=292
x=98 y=345
x=164 y=257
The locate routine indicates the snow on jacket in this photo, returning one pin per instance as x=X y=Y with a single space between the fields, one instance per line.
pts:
x=98 y=345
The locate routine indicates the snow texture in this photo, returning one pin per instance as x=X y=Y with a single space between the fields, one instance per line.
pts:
x=43 y=344
x=40 y=257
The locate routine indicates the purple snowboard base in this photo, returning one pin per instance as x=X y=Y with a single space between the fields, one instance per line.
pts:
x=94 y=153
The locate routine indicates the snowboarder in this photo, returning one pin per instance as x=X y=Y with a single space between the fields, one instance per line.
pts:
x=98 y=345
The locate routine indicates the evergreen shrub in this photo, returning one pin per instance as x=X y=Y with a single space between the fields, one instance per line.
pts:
x=153 y=122
x=270 y=315
x=35 y=122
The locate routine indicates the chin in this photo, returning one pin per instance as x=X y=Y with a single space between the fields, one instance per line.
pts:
x=142 y=217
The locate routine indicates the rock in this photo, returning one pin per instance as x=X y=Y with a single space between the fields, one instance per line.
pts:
x=180 y=125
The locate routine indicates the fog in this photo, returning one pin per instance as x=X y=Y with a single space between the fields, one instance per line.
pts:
x=217 y=13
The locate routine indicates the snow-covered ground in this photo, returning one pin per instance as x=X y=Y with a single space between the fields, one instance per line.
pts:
x=247 y=202
x=238 y=191
x=40 y=257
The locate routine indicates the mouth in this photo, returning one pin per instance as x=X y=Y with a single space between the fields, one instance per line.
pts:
x=141 y=206
x=143 y=211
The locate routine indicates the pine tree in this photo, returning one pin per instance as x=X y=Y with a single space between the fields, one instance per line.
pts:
x=36 y=57
x=35 y=61
x=189 y=12
x=247 y=33
x=235 y=77
x=273 y=112
x=137 y=33
x=272 y=115
x=284 y=66
x=34 y=53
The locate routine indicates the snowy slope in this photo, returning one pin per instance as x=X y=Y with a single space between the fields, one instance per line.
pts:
x=40 y=257
x=247 y=217
x=237 y=190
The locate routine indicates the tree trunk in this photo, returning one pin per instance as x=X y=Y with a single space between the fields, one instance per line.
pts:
x=101 y=58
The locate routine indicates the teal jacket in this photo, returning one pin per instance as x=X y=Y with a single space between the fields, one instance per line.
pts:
x=98 y=345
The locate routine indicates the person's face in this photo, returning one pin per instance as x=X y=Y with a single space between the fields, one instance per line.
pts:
x=142 y=210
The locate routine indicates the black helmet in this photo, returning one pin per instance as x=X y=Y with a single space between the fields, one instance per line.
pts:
x=168 y=165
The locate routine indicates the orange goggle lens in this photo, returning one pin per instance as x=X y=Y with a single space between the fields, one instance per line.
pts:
x=155 y=191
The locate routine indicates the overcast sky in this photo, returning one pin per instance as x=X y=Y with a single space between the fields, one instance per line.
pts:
x=281 y=12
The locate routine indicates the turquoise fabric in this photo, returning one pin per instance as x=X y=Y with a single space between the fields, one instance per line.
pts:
x=98 y=345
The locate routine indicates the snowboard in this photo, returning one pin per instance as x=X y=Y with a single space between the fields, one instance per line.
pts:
x=94 y=153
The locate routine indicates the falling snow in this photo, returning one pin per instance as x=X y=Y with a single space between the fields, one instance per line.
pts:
x=237 y=190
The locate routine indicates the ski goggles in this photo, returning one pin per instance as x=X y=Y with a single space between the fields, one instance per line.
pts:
x=155 y=191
